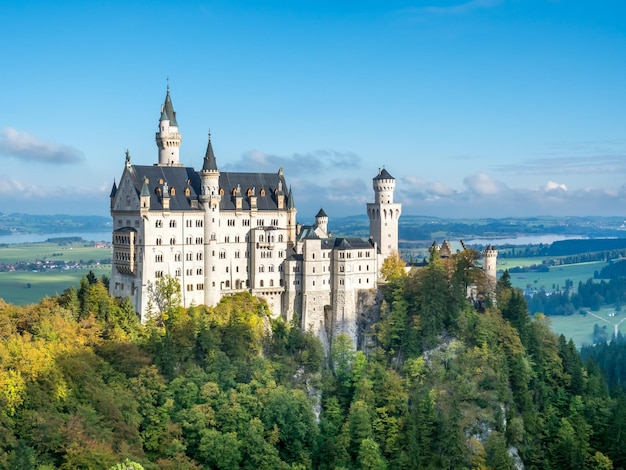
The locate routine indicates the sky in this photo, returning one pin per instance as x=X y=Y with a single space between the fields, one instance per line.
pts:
x=478 y=108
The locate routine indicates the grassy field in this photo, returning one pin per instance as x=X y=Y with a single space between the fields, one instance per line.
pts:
x=52 y=251
x=580 y=327
x=14 y=286
x=556 y=276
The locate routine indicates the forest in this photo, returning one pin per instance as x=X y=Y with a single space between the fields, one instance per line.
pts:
x=440 y=383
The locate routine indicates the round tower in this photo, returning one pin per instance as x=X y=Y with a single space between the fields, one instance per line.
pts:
x=490 y=260
x=168 y=138
x=210 y=198
x=384 y=214
x=321 y=220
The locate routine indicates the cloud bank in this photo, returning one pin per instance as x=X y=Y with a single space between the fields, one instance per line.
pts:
x=27 y=147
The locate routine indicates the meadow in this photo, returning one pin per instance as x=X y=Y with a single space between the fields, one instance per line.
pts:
x=28 y=287
x=73 y=252
x=554 y=278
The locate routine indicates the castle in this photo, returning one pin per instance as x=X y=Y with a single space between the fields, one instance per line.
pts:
x=220 y=233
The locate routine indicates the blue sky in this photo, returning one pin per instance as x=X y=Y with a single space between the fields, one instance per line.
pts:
x=479 y=108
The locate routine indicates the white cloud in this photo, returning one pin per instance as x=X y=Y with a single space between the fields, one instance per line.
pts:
x=25 y=146
x=483 y=185
x=554 y=186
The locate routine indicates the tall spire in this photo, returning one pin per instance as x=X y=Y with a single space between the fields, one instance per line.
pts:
x=290 y=203
x=210 y=163
x=168 y=109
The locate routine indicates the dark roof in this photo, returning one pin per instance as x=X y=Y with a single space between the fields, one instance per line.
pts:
x=383 y=175
x=113 y=189
x=290 y=202
x=321 y=213
x=349 y=243
x=179 y=178
x=210 y=164
x=168 y=110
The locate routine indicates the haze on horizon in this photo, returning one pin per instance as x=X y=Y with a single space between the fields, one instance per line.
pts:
x=478 y=108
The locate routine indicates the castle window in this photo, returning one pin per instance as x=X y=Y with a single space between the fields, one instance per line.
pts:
x=199 y=240
x=189 y=272
x=359 y=267
x=313 y=270
x=189 y=287
x=236 y=269
x=261 y=238
x=261 y=283
x=227 y=270
x=172 y=223
x=270 y=268
x=159 y=241
x=199 y=256
x=260 y=222
x=157 y=223
x=341 y=282
x=222 y=254
x=313 y=255
x=245 y=222
x=188 y=240
x=189 y=256
x=158 y=274
x=221 y=191
x=271 y=282
x=227 y=239
x=187 y=192
x=367 y=268
x=281 y=238
x=275 y=222
x=172 y=241
x=178 y=272
x=200 y=286
x=359 y=280
x=313 y=282
x=261 y=269
x=199 y=271
x=237 y=239
x=231 y=222
x=228 y=284
x=280 y=268
x=158 y=258
x=262 y=192
x=199 y=223
x=237 y=254
x=188 y=223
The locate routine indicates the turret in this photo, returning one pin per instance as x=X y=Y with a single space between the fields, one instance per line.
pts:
x=490 y=260
x=384 y=214
x=321 y=220
x=291 y=219
x=167 y=138
x=210 y=197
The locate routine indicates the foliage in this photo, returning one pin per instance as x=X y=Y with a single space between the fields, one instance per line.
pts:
x=84 y=385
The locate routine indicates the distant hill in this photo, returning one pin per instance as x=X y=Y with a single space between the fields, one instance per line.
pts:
x=18 y=223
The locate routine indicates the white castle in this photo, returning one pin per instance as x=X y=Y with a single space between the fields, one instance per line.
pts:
x=220 y=233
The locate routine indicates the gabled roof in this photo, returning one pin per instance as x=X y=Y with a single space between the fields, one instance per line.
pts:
x=383 y=175
x=179 y=179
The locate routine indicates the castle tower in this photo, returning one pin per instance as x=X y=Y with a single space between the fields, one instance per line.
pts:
x=321 y=220
x=291 y=220
x=210 y=198
x=490 y=258
x=384 y=214
x=168 y=138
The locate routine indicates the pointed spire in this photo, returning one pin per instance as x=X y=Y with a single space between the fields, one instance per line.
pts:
x=290 y=202
x=144 y=189
x=168 y=112
x=210 y=164
x=113 y=189
x=321 y=213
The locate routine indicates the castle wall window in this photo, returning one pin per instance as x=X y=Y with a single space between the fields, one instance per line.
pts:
x=200 y=286
x=222 y=254
x=188 y=240
x=199 y=223
x=261 y=238
x=199 y=256
x=189 y=272
x=281 y=254
x=172 y=241
x=159 y=241
x=188 y=223
x=158 y=274
x=260 y=222
x=178 y=272
x=275 y=222
x=237 y=239
x=261 y=283
x=199 y=271
x=172 y=224
x=261 y=269
x=271 y=282
x=189 y=256
x=189 y=287
x=227 y=239
x=245 y=222
x=199 y=240
x=227 y=269
x=231 y=222
x=228 y=284
x=158 y=258
x=237 y=254
x=281 y=238
x=270 y=268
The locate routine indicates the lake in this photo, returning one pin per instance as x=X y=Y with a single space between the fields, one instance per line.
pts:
x=523 y=240
x=42 y=237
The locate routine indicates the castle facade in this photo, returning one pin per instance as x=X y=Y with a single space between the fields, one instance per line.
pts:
x=220 y=233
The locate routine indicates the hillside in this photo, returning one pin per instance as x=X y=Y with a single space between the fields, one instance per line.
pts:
x=439 y=384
